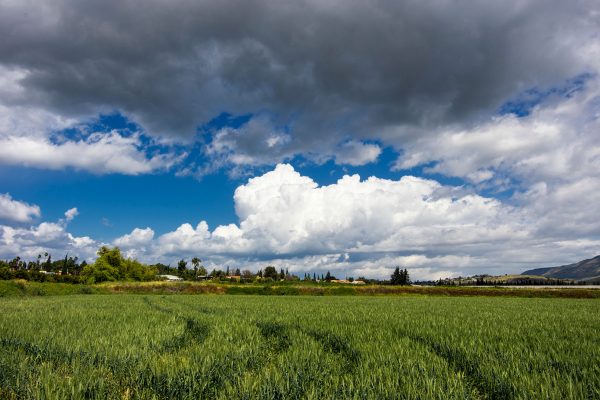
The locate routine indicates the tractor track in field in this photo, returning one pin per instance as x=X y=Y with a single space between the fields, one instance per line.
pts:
x=193 y=330
x=336 y=344
x=485 y=386
x=278 y=340
x=275 y=335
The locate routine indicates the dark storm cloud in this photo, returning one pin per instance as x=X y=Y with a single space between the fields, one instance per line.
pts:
x=329 y=69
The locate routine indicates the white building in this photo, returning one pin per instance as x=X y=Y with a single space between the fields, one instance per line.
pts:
x=171 y=278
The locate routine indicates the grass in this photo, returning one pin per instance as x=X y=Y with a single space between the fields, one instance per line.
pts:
x=298 y=347
x=21 y=287
x=24 y=288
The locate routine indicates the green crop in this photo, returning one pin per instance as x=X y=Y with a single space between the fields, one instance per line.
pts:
x=247 y=347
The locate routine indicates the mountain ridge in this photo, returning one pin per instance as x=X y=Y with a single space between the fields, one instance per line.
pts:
x=583 y=270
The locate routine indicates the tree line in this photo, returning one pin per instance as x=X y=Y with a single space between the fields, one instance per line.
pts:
x=111 y=265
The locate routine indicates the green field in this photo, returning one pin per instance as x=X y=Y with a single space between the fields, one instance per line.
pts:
x=244 y=347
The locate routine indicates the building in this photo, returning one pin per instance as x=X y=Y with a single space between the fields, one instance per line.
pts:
x=354 y=282
x=171 y=278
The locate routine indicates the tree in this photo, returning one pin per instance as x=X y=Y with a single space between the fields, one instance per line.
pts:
x=196 y=263
x=101 y=271
x=48 y=263
x=328 y=276
x=270 y=272
x=111 y=266
x=112 y=256
x=405 y=277
x=65 y=266
x=247 y=276
x=74 y=268
x=396 y=278
x=181 y=267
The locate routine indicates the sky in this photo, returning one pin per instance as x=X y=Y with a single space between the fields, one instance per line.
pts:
x=452 y=138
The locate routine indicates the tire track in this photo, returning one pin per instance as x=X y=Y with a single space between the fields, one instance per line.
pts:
x=485 y=386
x=338 y=345
x=194 y=331
x=276 y=335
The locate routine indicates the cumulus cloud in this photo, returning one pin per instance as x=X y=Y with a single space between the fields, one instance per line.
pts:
x=357 y=226
x=137 y=237
x=289 y=213
x=28 y=242
x=48 y=237
x=17 y=211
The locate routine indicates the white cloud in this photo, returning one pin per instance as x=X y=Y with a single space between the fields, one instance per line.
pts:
x=17 y=211
x=46 y=237
x=351 y=226
x=99 y=153
x=71 y=213
x=51 y=237
x=137 y=237
x=557 y=141
x=289 y=213
x=357 y=153
x=185 y=239
x=28 y=137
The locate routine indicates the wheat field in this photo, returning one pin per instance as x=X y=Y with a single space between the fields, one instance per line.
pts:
x=298 y=347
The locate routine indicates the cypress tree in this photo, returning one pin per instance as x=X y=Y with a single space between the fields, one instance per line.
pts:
x=64 y=266
x=396 y=278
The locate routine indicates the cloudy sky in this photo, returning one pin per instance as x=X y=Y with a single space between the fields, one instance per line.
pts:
x=449 y=137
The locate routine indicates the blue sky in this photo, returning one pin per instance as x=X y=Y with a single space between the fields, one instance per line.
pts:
x=237 y=134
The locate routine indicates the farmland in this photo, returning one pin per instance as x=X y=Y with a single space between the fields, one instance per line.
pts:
x=240 y=347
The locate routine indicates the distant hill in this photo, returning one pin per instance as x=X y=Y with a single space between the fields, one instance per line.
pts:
x=583 y=270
